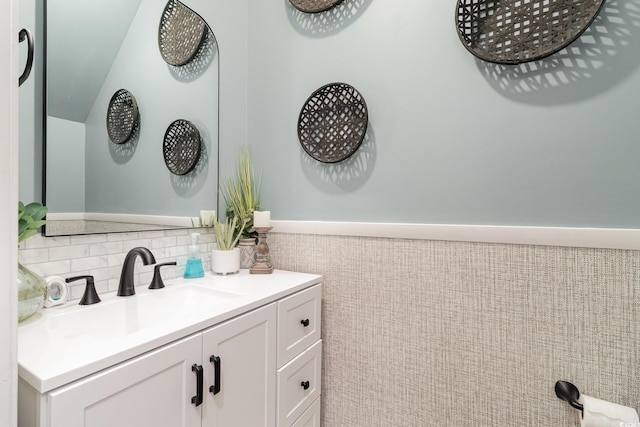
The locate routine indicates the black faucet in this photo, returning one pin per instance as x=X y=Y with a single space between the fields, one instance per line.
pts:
x=127 y=287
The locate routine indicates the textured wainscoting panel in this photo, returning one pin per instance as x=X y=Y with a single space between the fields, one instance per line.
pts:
x=436 y=333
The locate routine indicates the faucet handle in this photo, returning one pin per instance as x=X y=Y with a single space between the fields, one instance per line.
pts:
x=156 y=282
x=90 y=295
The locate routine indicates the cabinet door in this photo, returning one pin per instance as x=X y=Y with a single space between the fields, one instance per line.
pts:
x=242 y=351
x=154 y=389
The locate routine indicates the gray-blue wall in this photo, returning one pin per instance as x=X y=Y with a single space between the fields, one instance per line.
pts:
x=132 y=177
x=451 y=139
x=66 y=166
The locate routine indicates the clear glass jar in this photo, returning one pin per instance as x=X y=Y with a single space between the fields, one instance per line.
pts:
x=32 y=293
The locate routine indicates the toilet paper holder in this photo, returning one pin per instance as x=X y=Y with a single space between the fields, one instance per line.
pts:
x=569 y=392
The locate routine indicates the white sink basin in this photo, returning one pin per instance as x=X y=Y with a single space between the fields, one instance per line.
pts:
x=122 y=316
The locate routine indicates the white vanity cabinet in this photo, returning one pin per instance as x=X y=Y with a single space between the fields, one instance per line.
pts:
x=259 y=368
x=170 y=386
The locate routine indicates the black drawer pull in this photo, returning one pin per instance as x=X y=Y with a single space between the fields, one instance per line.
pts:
x=305 y=322
x=305 y=385
x=215 y=388
x=197 y=399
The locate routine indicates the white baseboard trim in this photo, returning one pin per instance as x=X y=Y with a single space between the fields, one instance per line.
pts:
x=607 y=238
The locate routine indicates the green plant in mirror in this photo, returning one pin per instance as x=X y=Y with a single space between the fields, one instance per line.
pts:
x=227 y=234
x=32 y=289
x=241 y=192
x=202 y=223
x=30 y=218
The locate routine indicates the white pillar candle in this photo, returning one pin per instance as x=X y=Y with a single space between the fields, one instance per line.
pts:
x=261 y=218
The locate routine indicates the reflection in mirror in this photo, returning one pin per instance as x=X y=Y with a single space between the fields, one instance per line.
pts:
x=95 y=48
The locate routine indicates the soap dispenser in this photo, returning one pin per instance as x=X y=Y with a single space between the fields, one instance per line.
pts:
x=194 y=268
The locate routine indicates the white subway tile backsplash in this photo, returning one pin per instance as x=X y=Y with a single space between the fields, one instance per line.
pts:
x=76 y=291
x=183 y=240
x=168 y=272
x=113 y=285
x=89 y=238
x=68 y=252
x=89 y=263
x=119 y=237
x=28 y=256
x=130 y=244
x=106 y=273
x=159 y=254
x=207 y=238
x=102 y=287
x=116 y=259
x=176 y=251
x=163 y=242
x=178 y=232
x=144 y=279
x=57 y=268
x=151 y=235
x=102 y=256
x=106 y=248
x=38 y=241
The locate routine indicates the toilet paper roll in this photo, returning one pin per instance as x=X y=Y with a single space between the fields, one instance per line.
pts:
x=600 y=413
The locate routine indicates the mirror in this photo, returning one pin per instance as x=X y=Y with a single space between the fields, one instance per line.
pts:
x=92 y=185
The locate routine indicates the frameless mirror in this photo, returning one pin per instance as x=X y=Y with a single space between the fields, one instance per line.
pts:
x=92 y=185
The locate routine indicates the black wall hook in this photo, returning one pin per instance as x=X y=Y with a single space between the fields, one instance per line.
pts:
x=567 y=391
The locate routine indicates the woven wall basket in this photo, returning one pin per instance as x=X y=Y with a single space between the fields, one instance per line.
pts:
x=517 y=31
x=181 y=147
x=333 y=123
x=314 y=6
x=122 y=116
x=180 y=34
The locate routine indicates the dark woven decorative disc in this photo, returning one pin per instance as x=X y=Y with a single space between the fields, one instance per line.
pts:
x=314 y=6
x=181 y=147
x=180 y=34
x=122 y=116
x=517 y=31
x=333 y=123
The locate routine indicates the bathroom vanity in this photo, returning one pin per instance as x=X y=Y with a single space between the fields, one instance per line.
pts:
x=239 y=350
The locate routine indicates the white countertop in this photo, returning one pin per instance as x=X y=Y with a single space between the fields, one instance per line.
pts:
x=62 y=344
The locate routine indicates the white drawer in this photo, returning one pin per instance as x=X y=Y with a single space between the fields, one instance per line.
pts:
x=311 y=417
x=298 y=323
x=299 y=384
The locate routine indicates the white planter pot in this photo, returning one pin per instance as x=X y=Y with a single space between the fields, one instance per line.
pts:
x=225 y=262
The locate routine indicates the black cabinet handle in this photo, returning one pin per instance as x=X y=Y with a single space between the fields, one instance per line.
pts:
x=305 y=385
x=215 y=388
x=197 y=399
x=305 y=322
